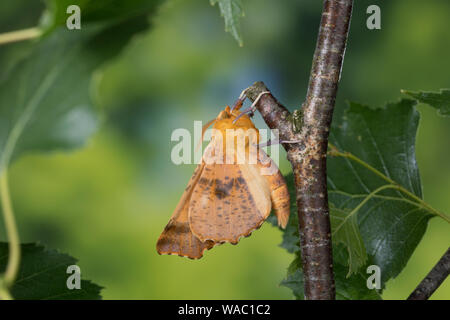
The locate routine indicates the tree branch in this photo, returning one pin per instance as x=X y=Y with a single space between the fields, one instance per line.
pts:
x=311 y=127
x=275 y=115
x=433 y=280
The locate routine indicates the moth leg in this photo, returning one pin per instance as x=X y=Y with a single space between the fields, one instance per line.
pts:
x=271 y=142
x=251 y=110
x=258 y=98
x=238 y=104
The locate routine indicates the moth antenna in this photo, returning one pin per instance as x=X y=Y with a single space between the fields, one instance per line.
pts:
x=204 y=128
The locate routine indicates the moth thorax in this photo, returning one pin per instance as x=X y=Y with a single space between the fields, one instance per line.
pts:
x=236 y=146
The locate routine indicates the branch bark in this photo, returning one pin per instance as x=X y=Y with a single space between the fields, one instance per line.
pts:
x=311 y=126
x=433 y=280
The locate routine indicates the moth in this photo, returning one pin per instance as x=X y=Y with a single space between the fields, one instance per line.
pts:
x=231 y=193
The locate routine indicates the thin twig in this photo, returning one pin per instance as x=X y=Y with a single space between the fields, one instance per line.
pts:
x=4 y=294
x=19 y=35
x=433 y=280
x=337 y=153
x=12 y=267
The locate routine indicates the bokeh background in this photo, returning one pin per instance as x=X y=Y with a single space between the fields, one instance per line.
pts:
x=107 y=203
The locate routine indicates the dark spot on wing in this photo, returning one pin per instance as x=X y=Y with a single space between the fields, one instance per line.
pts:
x=240 y=180
x=222 y=189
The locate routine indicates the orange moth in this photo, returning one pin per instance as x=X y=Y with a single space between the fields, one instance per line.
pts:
x=230 y=194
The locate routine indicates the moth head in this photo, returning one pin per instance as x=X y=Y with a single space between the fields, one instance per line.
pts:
x=242 y=131
x=225 y=120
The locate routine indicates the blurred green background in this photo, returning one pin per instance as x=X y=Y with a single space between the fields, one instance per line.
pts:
x=107 y=203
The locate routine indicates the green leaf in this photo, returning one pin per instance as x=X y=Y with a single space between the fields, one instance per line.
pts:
x=43 y=275
x=294 y=278
x=353 y=287
x=345 y=230
x=45 y=103
x=95 y=11
x=347 y=288
x=439 y=100
x=391 y=222
x=231 y=10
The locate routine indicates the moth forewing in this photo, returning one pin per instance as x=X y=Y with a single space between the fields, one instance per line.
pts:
x=227 y=203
